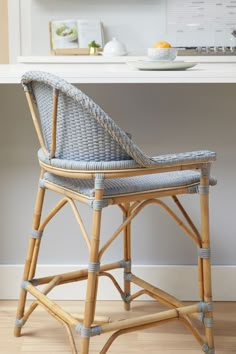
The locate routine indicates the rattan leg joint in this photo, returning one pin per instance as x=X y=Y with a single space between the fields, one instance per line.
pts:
x=126 y=298
x=208 y=322
x=204 y=253
x=24 y=284
x=204 y=190
x=99 y=204
x=205 y=306
x=205 y=170
x=99 y=181
x=94 y=267
x=88 y=332
x=19 y=322
x=34 y=282
x=125 y=264
x=128 y=276
x=41 y=184
x=36 y=233
x=208 y=350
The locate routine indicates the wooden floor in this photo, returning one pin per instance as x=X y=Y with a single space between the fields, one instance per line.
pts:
x=43 y=335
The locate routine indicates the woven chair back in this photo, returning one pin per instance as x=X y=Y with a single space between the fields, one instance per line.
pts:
x=79 y=136
x=83 y=131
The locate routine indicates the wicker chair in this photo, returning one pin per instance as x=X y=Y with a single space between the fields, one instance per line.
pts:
x=87 y=158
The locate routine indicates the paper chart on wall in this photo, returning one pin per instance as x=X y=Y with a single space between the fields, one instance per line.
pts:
x=201 y=22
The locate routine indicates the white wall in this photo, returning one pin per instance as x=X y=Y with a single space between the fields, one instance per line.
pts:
x=161 y=119
x=139 y=24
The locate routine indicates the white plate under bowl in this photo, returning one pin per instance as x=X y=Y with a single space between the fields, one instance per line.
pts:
x=150 y=59
x=161 y=65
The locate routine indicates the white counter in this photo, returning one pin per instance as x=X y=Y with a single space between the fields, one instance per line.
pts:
x=76 y=59
x=121 y=73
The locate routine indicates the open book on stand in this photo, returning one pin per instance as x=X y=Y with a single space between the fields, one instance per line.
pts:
x=75 y=36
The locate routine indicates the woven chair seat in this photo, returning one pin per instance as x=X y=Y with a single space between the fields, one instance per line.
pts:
x=138 y=184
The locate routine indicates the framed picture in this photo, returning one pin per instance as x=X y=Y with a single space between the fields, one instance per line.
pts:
x=75 y=36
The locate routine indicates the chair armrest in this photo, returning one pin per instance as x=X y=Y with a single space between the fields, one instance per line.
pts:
x=184 y=158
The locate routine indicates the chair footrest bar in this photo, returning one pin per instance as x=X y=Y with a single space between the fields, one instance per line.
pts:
x=115 y=335
x=75 y=275
x=153 y=318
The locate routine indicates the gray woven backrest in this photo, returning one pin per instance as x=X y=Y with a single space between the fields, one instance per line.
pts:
x=79 y=136
x=84 y=131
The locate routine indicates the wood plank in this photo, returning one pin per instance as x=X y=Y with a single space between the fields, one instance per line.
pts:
x=42 y=334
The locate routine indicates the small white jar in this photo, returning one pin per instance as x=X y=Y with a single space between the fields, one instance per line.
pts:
x=114 y=48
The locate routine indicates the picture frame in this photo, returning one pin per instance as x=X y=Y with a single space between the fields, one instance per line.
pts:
x=75 y=37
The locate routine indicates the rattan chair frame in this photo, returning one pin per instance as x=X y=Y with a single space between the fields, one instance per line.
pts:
x=130 y=204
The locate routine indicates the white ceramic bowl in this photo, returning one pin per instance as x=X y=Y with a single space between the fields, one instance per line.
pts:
x=114 y=48
x=162 y=54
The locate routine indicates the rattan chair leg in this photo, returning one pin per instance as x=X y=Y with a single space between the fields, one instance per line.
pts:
x=23 y=293
x=206 y=263
x=200 y=279
x=127 y=258
x=30 y=263
x=92 y=282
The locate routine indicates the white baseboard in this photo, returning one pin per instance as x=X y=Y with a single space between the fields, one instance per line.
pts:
x=180 y=281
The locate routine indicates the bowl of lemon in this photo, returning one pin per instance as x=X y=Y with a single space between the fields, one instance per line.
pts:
x=162 y=51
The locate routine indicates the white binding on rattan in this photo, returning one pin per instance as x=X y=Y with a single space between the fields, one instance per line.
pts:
x=204 y=253
x=204 y=190
x=36 y=233
x=88 y=332
x=205 y=306
x=19 y=322
x=94 y=267
x=125 y=264
x=207 y=350
x=208 y=322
